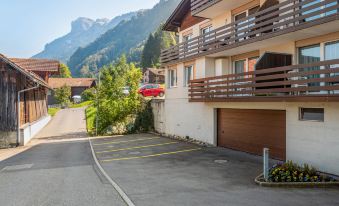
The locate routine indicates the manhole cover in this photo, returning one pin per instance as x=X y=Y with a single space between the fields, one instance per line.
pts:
x=221 y=161
x=134 y=153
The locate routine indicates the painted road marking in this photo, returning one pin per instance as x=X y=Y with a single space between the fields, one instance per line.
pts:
x=134 y=140
x=153 y=155
x=17 y=167
x=107 y=137
x=138 y=147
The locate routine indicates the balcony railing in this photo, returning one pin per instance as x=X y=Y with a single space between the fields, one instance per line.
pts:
x=307 y=82
x=286 y=17
x=199 y=5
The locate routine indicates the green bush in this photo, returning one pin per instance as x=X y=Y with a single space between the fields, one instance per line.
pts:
x=88 y=94
x=144 y=120
x=291 y=172
x=62 y=95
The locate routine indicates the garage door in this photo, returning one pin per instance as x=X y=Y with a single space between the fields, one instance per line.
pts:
x=252 y=130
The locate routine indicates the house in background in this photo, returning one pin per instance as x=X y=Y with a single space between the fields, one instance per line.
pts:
x=78 y=85
x=251 y=74
x=154 y=75
x=27 y=77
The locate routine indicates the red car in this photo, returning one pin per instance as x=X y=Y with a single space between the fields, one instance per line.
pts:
x=153 y=90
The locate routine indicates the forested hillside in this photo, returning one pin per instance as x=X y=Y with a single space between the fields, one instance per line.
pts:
x=156 y=41
x=127 y=37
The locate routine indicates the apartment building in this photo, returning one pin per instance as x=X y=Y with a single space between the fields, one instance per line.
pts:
x=250 y=74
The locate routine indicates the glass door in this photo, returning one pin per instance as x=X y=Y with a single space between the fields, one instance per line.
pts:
x=310 y=54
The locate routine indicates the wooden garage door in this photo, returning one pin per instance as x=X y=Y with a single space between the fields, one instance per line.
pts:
x=252 y=130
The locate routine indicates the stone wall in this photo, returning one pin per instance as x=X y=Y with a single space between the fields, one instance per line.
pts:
x=7 y=139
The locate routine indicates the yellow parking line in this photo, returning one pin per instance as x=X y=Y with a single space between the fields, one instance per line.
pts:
x=130 y=148
x=153 y=155
x=106 y=137
x=134 y=140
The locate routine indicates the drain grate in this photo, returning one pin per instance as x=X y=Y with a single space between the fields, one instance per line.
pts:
x=17 y=167
x=221 y=161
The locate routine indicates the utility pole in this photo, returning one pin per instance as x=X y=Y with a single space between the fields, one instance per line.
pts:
x=97 y=116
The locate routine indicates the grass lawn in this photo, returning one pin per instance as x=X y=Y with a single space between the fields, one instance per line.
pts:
x=90 y=119
x=53 y=111
x=82 y=104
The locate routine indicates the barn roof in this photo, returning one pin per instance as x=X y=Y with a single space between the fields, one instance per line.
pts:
x=71 y=82
x=24 y=70
x=45 y=65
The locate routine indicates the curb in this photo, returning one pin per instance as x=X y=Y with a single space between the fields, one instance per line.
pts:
x=122 y=194
x=261 y=182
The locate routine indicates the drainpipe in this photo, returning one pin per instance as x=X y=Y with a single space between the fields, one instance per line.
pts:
x=18 y=105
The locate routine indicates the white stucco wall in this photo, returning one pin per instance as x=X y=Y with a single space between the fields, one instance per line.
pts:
x=189 y=119
x=158 y=108
x=315 y=143
x=32 y=129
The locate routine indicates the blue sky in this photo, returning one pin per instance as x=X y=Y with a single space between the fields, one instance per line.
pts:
x=27 y=25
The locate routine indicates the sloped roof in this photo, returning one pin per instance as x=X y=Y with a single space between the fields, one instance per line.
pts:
x=160 y=72
x=71 y=82
x=174 y=21
x=45 y=65
x=24 y=71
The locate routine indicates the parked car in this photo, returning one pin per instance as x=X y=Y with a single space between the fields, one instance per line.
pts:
x=153 y=90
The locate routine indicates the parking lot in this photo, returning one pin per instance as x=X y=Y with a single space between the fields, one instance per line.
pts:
x=155 y=170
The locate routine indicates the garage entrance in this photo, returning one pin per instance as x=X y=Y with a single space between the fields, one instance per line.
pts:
x=251 y=130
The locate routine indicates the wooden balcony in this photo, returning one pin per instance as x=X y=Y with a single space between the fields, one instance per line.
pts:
x=284 y=18
x=318 y=82
x=199 y=5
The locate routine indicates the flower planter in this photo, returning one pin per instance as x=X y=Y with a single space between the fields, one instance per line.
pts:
x=262 y=182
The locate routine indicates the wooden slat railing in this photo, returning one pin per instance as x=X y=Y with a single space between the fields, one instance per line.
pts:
x=199 y=5
x=292 y=83
x=286 y=17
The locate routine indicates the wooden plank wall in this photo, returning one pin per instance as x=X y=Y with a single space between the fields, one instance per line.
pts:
x=8 y=120
x=33 y=103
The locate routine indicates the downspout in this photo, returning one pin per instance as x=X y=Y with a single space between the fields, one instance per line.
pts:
x=18 y=105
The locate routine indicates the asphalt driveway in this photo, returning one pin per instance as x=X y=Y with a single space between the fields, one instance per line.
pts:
x=57 y=169
x=154 y=170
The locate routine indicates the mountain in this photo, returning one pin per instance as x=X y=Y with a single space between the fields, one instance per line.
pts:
x=121 y=39
x=83 y=32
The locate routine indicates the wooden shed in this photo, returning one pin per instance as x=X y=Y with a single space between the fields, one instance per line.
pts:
x=28 y=76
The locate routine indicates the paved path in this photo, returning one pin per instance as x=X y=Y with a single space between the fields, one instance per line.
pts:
x=58 y=168
x=157 y=171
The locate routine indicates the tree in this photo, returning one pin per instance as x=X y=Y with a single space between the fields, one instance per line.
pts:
x=156 y=42
x=64 y=72
x=114 y=106
x=88 y=94
x=63 y=94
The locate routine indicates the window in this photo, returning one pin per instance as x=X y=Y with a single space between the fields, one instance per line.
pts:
x=332 y=50
x=310 y=54
x=311 y=114
x=187 y=37
x=243 y=16
x=239 y=66
x=172 y=78
x=188 y=75
x=206 y=30
x=318 y=8
x=245 y=65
